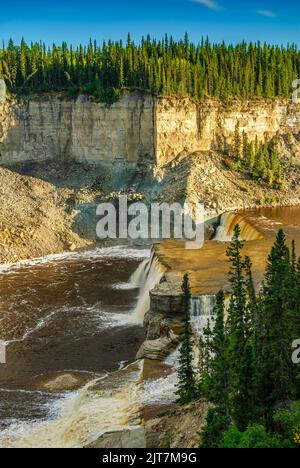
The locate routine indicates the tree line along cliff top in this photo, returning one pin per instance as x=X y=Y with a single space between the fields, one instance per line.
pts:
x=164 y=67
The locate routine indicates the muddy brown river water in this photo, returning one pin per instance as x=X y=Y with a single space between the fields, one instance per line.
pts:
x=64 y=314
x=76 y=314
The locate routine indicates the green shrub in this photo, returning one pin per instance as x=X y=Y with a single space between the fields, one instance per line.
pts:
x=288 y=423
x=217 y=423
x=232 y=438
x=234 y=166
x=255 y=437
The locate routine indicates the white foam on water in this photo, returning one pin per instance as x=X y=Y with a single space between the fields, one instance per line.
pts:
x=122 y=364
x=151 y=274
x=42 y=323
x=80 y=417
x=29 y=392
x=123 y=286
x=105 y=252
x=115 y=320
x=173 y=359
x=100 y=320
x=160 y=391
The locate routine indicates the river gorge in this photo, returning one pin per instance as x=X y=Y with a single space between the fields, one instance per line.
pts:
x=73 y=324
x=91 y=328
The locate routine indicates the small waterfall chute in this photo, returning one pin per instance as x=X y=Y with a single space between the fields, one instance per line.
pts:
x=202 y=308
x=222 y=234
x=139 y=276
x=148 y=275
x=225 y=231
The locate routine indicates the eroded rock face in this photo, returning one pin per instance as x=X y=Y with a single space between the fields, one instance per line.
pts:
x=127 y=438
x=161 y=339
x=84 y=131
x=183 y=126
x=34 y=219
x=138 y=128
x=179 y=428
x=158 y=349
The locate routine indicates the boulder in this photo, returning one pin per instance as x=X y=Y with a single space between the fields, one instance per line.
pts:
x=126 y=438
x=62 y=383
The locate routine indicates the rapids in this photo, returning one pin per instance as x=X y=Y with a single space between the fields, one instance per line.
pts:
x=76 y=314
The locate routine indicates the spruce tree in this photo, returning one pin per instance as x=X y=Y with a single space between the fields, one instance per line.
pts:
x=217 y=423
x=293 y=310
x=218 y=382
x=236 y=316
x=296 y=324
x=205 y=358
x=246 y=147
x=187 y=385
x=240 y=349
x=253 y=331
x=275 y=373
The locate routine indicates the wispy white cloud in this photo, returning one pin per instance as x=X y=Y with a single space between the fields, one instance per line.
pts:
x=268 y=13
x=211 y=4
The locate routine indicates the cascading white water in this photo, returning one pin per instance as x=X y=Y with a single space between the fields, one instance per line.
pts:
x=225 y=231
x=84 y=416
x=148 y=275
x=108 y=405
x=222 y=231
x=202 y=308
x=139 y=276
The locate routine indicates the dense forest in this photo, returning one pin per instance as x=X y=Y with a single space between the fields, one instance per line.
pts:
x=245 y=367
x=165 y=67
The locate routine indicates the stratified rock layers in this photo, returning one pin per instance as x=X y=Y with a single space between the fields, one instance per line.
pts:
x=82 y=131
x=183 y=126
x=138 y=128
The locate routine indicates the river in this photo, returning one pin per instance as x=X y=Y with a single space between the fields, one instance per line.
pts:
x=63 y=314
x=80 y=315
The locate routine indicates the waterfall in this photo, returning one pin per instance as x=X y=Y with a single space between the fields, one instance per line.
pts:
x=104 y=405
x=139 y=276
x=222 y=233
x=201 y=311
x=147 y=276
x=229 y=221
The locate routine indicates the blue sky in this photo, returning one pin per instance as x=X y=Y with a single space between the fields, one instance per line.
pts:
x=75 y=21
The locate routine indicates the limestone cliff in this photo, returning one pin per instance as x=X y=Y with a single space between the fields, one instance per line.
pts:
x=152 y=149
x=137 y=128
x=183 y=126
x=50 y=128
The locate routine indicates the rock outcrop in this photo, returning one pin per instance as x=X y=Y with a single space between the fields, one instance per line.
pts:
x=49 y=128
x=183 y=126
x=160 y=348
x=137 y=129
x=127 y=438
x=35 y=218
x=179 y=428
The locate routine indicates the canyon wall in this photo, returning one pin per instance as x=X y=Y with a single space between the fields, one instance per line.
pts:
x=183 y=126
x=83 y=131
x=138 y=128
